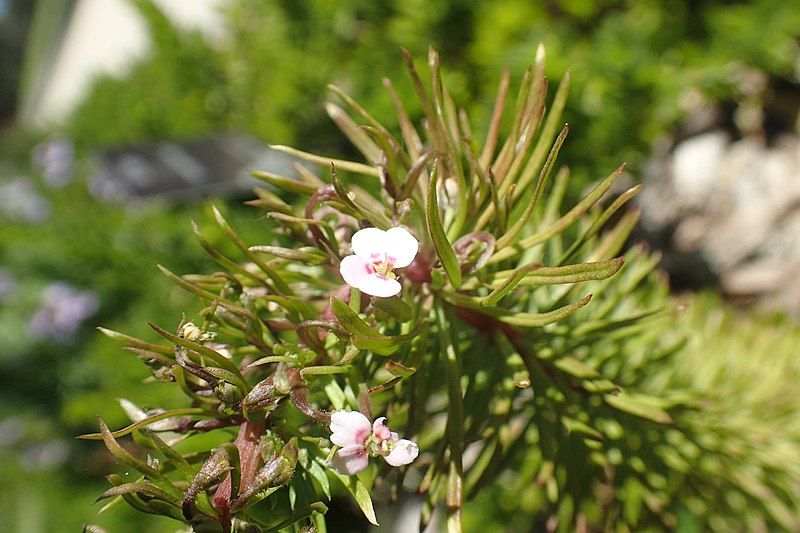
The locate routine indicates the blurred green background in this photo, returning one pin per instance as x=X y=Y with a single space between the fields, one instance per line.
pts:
x=70 y=261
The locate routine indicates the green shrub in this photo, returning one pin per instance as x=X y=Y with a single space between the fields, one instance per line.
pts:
x=499 y=366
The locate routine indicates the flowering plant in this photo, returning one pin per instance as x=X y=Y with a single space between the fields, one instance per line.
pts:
x=437 y=284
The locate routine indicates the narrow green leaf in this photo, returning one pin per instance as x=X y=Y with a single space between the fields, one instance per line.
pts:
x=575 y=367
x=291 y=219
x=172 y=413
x=165 y=509
x=546 y=137
x=125 y=457
x=386 y=345
x=410 y=135
x=315 y=469
x=173 y=457
x=215 y=357
x=531 y=118
x=225 y=262
x=371 y=208
x=558 y=275
x=638 y=405
x=360 y=493
x=292 y=304
x=509 y=283
x=455 y=423
x=506 y=154
x=142 y=487
x=395 y=307
x=398 y=370
x=542 y=319
x=479 y=468
x=444 y=249
x=355 y=106
x=184 y=468
x=494 y=124
x=341 y=191
x=284 y=183
x=350 y=320
x=187 y=286
x=307 y=176
x=600 y=327
x=600 y=222
x=352 y=131
x=306 y=254
x=138 y=343
x=576 y=426
x=324 y=370
x=269 y=201
x=131 y=499
x=600 y=386
x=562 y=223
x=298 y=515
x=414 y=173
x=514 y=231
x=349 y=355
x=613 y=241
x=347 y=166
x=280 y=285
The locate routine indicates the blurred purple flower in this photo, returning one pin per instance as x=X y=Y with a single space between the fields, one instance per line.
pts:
x=54 y=159
x=11 y=430
x=20 y=202
x=44 y=455
x=63 y=310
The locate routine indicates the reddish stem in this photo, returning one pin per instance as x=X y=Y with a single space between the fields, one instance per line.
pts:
x=249 y=459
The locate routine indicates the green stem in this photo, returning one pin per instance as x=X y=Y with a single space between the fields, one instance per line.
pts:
x=455 y=424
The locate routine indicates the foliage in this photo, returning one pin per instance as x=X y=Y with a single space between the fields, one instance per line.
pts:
x=634 y=67
x=280 y=343
x=59 y=241
x=728 y=464
x=174 y=94
x=638 y=67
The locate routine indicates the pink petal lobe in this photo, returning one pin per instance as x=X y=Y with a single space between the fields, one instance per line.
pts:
x=401 y=246
x=369 y=243
x=354 y=269
x=350 y=460
x=378 y=285
x=380 y=430
x=349 y=428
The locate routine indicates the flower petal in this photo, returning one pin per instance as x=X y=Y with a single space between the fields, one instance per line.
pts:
x=380 y=430
x=349 y=428
x=350 y=460
x=369 y=244
x=378 y=285
x=401 y=246
x=354 y=269
x=403 y=453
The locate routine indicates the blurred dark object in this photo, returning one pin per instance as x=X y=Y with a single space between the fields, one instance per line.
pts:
x=215 y=166
x=723 y=201
x=15 y=19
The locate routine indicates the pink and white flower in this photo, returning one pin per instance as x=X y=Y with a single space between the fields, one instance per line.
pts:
x=376 y=254
x=357 y=439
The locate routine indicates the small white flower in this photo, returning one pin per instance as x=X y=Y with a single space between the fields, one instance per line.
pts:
x=357 y=439
x=376 y=254
x=350 y=430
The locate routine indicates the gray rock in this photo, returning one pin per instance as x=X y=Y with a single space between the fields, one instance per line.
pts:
x=731 y=208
